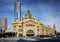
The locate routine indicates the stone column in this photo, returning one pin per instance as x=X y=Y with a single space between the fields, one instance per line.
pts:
x=24 y=30
x=17 y=35
x=36 y=30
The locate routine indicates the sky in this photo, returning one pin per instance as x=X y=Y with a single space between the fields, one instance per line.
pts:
x=47 y=11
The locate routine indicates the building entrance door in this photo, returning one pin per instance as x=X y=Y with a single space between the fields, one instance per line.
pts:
x=30 y=33
x=20 y=35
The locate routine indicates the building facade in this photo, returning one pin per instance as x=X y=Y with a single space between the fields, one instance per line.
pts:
x=29 y=26
x=3 y=25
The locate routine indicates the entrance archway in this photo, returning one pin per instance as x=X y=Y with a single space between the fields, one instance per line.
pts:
x=20 y=35
x=30 y=33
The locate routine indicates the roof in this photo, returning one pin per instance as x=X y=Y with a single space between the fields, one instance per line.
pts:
x=9 y=30
x=28 y=15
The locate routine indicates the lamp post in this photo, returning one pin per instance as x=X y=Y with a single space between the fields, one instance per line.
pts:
x=2 y=35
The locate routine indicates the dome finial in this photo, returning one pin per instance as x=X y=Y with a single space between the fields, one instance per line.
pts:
x=28 y=11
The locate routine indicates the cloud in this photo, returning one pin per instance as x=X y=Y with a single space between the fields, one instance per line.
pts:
x=50 y=16
x=50 y=20
x=11 y=7
x=23 y=8
x=49 y=13
x=6 y=2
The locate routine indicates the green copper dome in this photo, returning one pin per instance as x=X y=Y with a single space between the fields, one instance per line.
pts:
x=28 y=15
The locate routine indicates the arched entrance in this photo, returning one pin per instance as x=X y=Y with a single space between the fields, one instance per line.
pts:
x=30 y=33
x=20 y=35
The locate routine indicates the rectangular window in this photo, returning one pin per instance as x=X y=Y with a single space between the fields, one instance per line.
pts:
x=37 y=29
x=14 y=26
x=37 y=26
x=41 y=24
x=20 y=26
x=29 y=25
x=20 y=30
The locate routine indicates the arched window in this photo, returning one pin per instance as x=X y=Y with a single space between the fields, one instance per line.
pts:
x=20 y=35
x=30 y=31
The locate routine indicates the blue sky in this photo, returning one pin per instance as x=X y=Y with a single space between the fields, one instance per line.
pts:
x=47 y=11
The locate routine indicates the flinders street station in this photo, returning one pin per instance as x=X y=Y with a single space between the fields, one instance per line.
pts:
x=28 y=26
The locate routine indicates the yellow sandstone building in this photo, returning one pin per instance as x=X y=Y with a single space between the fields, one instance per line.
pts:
x=29 y=26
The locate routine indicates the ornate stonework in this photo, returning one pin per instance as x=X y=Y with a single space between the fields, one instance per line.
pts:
x=30 y=24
